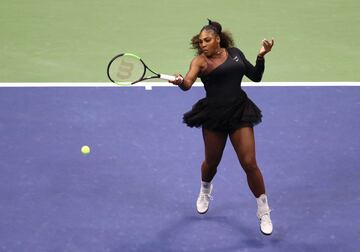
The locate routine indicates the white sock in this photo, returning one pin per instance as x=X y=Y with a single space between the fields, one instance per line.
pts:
x=262 y=202
x=205 y=185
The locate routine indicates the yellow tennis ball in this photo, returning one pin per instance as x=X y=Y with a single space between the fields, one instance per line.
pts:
x=85 y=150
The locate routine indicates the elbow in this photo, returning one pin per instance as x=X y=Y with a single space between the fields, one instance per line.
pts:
x=184 y=88
x=185 y=85
x=257 y=79
x=256 y=75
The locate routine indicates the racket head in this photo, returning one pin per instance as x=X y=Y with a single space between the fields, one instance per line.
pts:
x=126 y=69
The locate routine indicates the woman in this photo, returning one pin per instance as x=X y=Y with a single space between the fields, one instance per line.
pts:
x=226 y=111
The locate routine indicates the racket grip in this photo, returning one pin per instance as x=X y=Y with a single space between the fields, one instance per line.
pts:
x=167 y=77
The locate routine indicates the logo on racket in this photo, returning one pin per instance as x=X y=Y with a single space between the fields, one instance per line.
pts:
x=125 y=69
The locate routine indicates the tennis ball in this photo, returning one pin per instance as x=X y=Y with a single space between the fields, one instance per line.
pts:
x=85 y=150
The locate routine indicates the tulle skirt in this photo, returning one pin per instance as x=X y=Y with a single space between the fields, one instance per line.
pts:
x=223 y=114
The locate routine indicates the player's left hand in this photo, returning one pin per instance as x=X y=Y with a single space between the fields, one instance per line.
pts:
x=266 y=47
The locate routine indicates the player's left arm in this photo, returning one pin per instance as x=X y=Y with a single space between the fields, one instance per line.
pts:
x=255 y=73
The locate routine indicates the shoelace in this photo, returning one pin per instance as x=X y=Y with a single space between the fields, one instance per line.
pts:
x=262 y=214
x=266 y=218
x=204 y=196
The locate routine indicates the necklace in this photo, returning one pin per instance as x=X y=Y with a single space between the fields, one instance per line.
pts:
x=219 y=51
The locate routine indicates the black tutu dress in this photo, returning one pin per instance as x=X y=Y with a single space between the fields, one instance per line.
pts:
x=226 y=106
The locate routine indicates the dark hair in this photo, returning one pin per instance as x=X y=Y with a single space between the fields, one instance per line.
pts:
x=226 y=39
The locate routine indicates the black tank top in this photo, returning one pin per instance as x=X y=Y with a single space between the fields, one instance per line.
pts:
x=224 y=82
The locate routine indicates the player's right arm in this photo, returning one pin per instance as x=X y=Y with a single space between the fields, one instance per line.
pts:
x=197 y=65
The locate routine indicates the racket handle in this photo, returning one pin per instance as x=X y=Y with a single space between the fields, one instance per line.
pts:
x=167 y=77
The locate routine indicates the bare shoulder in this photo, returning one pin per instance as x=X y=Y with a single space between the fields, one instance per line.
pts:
x=199 y=61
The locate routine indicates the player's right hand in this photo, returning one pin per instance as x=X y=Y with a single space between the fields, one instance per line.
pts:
x=178 y=79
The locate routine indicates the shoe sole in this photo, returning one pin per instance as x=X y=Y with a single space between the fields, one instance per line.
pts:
x=265 y=233
x=202 y=212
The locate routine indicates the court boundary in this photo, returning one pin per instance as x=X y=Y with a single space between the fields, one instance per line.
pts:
x=150 y=85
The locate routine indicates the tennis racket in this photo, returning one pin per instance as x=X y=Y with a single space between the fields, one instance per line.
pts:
x=128 y=69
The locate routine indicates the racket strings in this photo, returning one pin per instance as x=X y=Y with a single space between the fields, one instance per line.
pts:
x=126 y=69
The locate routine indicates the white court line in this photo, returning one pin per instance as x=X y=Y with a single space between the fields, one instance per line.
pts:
x=150 y=85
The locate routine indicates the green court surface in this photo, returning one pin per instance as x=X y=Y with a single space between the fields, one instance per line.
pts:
x=72 y=41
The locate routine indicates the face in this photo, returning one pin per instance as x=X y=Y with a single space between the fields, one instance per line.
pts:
x=209 y=42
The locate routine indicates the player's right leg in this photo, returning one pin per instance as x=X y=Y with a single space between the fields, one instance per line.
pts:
x=214 y=142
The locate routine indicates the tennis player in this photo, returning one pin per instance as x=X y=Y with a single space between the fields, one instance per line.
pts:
x=226 y=111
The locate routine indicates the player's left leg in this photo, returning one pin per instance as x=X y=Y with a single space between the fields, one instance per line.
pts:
x=243 y=141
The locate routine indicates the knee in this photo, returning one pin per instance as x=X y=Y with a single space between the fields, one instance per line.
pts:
x=249 y=165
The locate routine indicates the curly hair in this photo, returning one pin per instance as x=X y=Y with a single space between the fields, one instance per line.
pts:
x=226 y=39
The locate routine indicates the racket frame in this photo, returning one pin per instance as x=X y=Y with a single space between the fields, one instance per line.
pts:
x=142 y=77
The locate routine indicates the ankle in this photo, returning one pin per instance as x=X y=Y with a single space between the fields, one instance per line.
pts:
x=262 y=204
x=205 y=184
x=205 y=187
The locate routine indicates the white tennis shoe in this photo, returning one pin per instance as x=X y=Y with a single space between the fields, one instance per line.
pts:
x=263 y=214
x=203 y=200
x=266 y=226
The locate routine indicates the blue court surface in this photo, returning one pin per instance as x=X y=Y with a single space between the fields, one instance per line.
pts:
x=136 y=190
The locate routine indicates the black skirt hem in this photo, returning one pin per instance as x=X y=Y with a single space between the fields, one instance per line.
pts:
x=223 y=115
